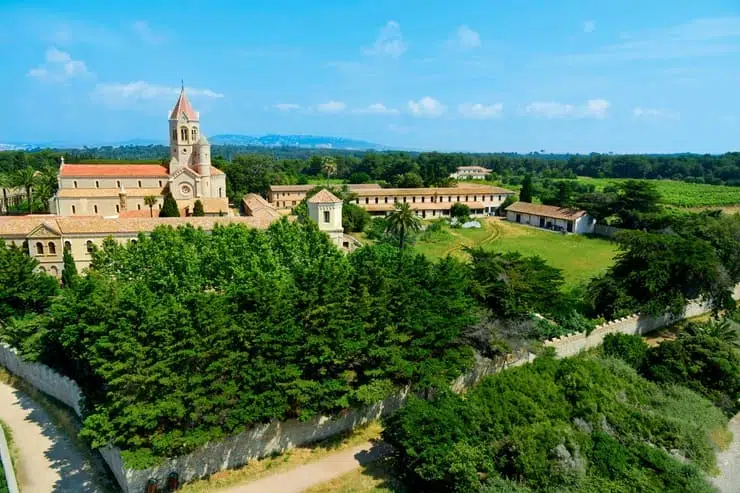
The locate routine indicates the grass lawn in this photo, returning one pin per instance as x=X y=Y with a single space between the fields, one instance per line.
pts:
x=580 y=257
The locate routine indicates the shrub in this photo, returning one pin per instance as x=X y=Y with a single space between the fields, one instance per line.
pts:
x=629 y=348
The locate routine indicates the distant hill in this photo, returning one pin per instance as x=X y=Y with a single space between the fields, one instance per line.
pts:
x=301 y=141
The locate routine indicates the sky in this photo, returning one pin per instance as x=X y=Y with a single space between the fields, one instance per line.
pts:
x=654 y=76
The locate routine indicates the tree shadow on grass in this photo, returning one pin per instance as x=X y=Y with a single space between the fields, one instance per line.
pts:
x=379 y=464
x=81 y=469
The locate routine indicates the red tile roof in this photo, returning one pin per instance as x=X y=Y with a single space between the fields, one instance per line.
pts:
x=183 y=106
x=552 y=211
x=114 y=170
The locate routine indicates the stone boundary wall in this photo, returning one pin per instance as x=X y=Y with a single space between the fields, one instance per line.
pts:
x=278 y=436
x=572 y=344
x=607 y=231
x=7 y=464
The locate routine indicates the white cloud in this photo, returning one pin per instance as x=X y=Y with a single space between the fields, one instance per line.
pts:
x=377 y=109
x=480 y=111
x=331 y=107
x=703 y=37
x=593 y=108
x=124 y=95
x=465 y=39
x=589 y=26
x=427 y=106
x=145 y=32
x=286 y=107
x=654 y=114
x=389 y=42
x=59 y=67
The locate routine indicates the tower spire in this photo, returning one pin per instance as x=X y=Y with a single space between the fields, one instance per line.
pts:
x=182 y=85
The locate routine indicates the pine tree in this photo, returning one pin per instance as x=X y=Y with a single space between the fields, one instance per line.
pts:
x=69 y=271
x=198 y=210
x=169 y=208
x=526 y=194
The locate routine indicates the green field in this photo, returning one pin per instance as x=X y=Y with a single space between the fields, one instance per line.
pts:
x=580 y=257
x=682 y=194
x=674 y=193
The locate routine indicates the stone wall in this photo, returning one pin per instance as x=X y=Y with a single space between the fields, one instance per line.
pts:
x=573 y=344
x=43 y=378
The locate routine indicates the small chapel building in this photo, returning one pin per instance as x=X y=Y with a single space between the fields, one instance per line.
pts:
x=119 y=190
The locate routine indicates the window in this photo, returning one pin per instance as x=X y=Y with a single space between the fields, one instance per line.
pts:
x=52 y=248
x=118 y=208
x=404 y=200
x=413 y=199
x=90 y=246
x=220 y=192
x=74 y=210
x=367 y=200
x=184 y=134
x=118 y=183
x=194 y=134
x=174 y=134
x=74 y=183
x=326 y=216
x=97 y=184
x=138 y=206
x=294 y=202
x=54 y=271
x=139 y=183
x=160 y=183
x=160 y=206
x=422 y=200
x=41 y=269
x=67 y=246
x=95 y=209
x=39 y=248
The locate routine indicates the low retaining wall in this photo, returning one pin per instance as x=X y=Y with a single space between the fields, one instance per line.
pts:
x=278 y=436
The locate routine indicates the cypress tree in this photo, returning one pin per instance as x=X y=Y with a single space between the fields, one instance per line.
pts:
x=526 y=194
x=198 y=209
x=69 y=271
x=169 y=208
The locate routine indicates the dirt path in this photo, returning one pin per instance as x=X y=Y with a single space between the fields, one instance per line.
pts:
x=49 y=460
x=729 y=462
x=306 y=476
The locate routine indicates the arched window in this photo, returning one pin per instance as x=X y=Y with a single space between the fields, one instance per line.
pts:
x=54 y=271
x=67 y=246
x=52 y=248
x=39 y=248
x=194 y=134
x=184 y=134
x=41 y=269
x=95 y=209
x=90 y=246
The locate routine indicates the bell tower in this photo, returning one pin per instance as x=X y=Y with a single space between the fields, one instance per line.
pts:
x=184 y=132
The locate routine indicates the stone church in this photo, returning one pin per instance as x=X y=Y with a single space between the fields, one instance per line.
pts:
x=120 y=190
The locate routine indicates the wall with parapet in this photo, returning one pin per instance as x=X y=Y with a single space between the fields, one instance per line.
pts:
x=573 y=344
x=278 y=436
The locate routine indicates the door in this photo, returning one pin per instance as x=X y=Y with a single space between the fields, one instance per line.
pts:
x=542 y=222
x=569 y=226
x=518 y=218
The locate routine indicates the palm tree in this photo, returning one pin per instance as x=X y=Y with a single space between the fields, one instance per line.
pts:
x=151 y=201
x=25 y=178
x=402 y=221
x=723 y=330
x=328 y=166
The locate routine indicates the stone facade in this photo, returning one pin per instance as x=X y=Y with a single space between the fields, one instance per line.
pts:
x=118 y=190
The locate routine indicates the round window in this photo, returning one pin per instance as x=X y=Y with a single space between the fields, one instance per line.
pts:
x=185 y=189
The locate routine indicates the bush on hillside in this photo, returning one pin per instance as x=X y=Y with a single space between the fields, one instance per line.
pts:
x=631 y=349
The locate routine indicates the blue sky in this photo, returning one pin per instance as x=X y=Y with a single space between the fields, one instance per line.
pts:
x=565 y=76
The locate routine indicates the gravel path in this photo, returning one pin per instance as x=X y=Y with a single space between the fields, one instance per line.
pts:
x=49 y=462
x=306 y=476
x=729 y=462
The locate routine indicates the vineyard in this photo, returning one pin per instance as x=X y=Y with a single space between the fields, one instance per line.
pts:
x=683 y=194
